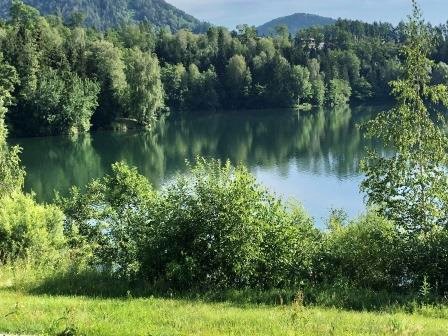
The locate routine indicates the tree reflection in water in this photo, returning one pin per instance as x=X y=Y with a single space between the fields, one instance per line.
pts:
x=277 y=144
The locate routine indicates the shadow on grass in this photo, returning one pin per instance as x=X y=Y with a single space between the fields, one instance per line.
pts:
x=96 y=285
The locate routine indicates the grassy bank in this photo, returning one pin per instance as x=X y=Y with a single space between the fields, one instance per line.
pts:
x=52 y=315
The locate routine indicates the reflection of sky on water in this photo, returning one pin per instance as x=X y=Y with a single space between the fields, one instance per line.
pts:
x=318 y=193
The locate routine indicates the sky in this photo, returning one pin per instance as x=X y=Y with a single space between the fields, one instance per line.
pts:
x=229 y=13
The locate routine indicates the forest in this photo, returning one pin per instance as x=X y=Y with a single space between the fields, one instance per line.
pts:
x=216 y=233
x=69 y=79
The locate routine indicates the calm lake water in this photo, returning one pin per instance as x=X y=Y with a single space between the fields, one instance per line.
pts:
x=310 y=156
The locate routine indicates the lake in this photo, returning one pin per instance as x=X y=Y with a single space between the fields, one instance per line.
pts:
x=310 y=156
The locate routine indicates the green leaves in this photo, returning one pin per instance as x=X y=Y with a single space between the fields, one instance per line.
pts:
x=215 y=227
x=108 y=222
x=11 y=173
x=339 y=92
x=27 y=228
x=144 y=94
x=410 y=185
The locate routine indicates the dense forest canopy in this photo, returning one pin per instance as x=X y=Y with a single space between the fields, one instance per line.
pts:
x=71 y=78
x=112 y=13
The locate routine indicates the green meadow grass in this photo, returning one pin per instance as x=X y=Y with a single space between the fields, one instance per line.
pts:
x=22 y=313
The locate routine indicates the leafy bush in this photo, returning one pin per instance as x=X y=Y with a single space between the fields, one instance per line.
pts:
x=215 y=227
x=108 y=222
x=366 y=253
x=28 y=228
x=427 y=257
x=218 y=228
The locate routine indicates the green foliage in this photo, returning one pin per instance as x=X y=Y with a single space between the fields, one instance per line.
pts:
x=317 y=82
x=229 y=232
x=105 y=62
x=238 y=80
x=440 y=73
x=144 y=97
x=302 y=87
x=107 y=223
x=11 y=173
x=428 y=259
x=62 y=103
x=365 y=253
x=214 y=228
x=409 y=186
x=27 y=228
x=173 y=79
x=339 y=92
x=201 y=91
x=217 y=69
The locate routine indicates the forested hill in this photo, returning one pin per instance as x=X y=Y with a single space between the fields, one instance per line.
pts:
x=294 y=23
x=104 y=14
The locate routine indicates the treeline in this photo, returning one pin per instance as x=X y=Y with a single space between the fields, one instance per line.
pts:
x=70 y=78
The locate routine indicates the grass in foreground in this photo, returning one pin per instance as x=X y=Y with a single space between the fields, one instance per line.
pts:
x=52 y=315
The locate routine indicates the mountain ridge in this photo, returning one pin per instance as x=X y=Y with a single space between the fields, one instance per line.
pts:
x=103 y=14
x=295 y=22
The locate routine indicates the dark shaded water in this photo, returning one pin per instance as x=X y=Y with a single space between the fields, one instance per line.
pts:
x=311 y=156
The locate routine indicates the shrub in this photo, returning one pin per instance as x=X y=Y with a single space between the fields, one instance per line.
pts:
x=427 y=257
x=218 y=228
x=213 y=228
x=108 y=222
x=367 y=253
x=28 y=228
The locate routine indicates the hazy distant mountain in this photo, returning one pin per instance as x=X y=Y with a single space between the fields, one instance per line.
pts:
x=108 y=13
x=295 y=22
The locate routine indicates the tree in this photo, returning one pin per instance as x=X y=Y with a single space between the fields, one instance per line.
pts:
x=201 y=89
x=280 y=84
x=318 y=92
x=317 y=83
x=301 y=86
x=410 y=186
x=78 y=104
x=110 y=218
x=11 y=173
x=339 y=92
x=174 y=85
x=238 y=80
x=144 y=95
x=63 y=103
x=105 y=63
x=22 y=49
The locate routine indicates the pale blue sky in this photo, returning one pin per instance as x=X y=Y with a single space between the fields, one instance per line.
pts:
x=229 y=13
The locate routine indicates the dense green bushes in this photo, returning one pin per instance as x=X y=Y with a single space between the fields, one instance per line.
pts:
x=29 y=229
x=217 y=228
x=214 y=228
x=367 y=252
